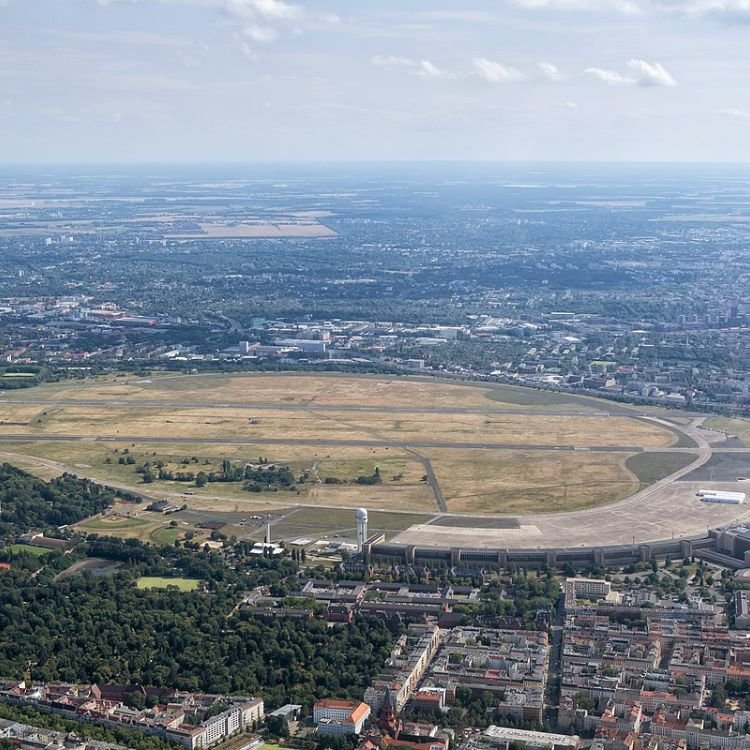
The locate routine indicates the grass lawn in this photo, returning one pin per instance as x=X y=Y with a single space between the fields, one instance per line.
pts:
x=183 y=584
x=511 y=482
x=166 y=535
x=36 y=551
x=651 y=467
x=519 y=396
x=112 y=523
x=199 y=417
x=738 y=427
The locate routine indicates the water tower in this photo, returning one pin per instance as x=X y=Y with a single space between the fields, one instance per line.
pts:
x=361 y=528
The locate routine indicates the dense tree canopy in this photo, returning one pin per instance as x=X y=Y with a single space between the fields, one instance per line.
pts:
x=104 y=629
x=30 y=503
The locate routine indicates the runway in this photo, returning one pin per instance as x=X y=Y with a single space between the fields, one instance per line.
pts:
x=375 y=443
x=313 y=407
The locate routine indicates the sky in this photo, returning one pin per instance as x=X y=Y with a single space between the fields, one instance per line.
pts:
x=132 y=81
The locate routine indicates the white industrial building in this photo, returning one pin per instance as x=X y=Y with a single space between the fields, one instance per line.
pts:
x=306 y=346
x=718 y=496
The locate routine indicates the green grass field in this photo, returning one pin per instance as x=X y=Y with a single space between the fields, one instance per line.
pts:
x=166 y=535
x=36 y=551
x=518 y=396
x=183 y=584
x=651 y=467
x=111 y=523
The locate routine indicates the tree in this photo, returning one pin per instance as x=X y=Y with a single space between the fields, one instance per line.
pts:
x=719 y=696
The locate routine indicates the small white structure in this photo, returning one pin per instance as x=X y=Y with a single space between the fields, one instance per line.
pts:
x=361 y=528
x=726 y=498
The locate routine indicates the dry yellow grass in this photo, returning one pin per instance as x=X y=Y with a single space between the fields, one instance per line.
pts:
x=530 y=482
x=346 y=463
x=281 y=388
x=473 y=480
x=246 y=424
x=13 y=416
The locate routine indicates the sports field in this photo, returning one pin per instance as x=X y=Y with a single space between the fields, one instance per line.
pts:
x=183 y=584
x=438 y=446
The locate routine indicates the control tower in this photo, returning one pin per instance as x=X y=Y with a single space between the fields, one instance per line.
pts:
x=361 y=528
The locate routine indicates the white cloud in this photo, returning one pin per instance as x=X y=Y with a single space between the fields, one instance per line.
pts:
x=429 y=70
x=550 y=71
x=270 y=10
x=391 y=61
x=626 y=7
x=495 y=72
x=644 y=74
x=734 y=114
x=651 y=74
x=260 y=34
x=458 y=16
x=249 y=52
x=422 y=68
x=610 y=77
x=730 y=11
x=263 y=21
x=570 y=105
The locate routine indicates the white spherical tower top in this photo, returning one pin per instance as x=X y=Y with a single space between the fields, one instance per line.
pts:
x=361 y=514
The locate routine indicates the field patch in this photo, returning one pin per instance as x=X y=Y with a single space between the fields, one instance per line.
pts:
x=166 y=535
x=651 y=467
x=157 y=582
x=254 y=230
x=517 y=482
x=27 y=549
x=738 y=429
x=111 y=523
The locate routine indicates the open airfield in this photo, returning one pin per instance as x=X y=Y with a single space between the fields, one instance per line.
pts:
x=544 y=469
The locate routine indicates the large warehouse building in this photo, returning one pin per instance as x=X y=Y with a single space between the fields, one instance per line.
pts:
x=725 y=498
